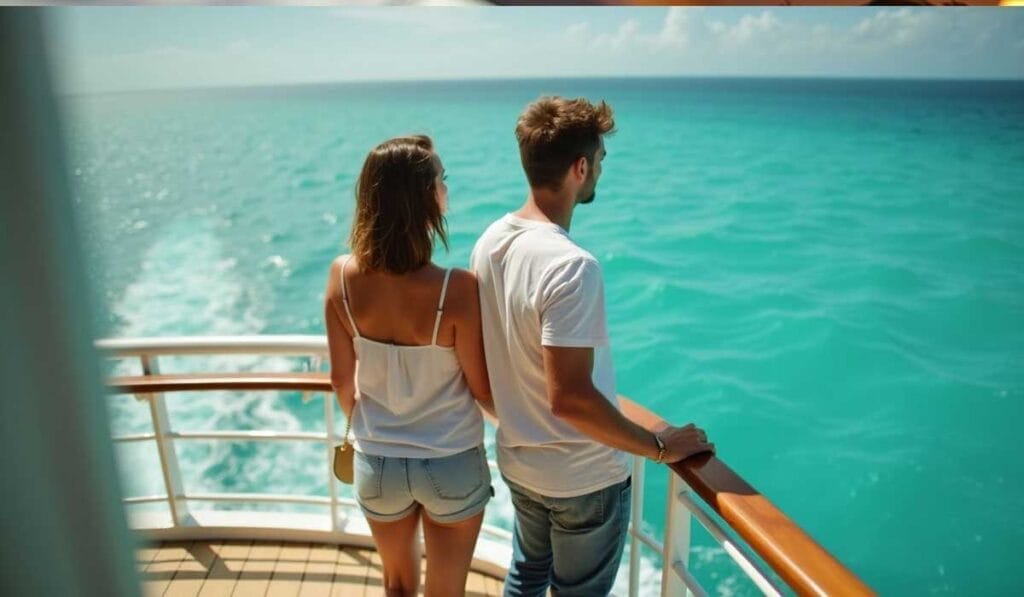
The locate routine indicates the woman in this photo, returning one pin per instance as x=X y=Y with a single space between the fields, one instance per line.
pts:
x=407 y=363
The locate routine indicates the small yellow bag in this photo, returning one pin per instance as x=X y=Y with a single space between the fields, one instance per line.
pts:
x=343 y=458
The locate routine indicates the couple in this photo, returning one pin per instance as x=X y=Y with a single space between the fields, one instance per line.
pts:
x=415 y=350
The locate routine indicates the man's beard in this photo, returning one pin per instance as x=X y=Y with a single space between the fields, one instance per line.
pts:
x=593 y=193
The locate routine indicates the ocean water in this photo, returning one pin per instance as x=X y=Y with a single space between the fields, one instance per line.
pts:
x=827 y=275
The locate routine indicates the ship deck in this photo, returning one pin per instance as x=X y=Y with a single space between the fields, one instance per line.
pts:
x=222 y=568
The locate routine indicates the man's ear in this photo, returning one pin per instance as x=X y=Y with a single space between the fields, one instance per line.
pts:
x=580 y=167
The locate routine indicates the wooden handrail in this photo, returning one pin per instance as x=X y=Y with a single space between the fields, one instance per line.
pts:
x=798 y=559
x=807 y=567
x=154 y=384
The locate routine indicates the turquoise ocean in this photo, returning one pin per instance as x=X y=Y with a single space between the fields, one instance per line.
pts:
x=827 y=275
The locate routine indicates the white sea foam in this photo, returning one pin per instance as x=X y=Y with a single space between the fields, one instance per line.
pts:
x=186 y=286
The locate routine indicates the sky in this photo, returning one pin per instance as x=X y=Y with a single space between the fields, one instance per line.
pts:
x=109 y=49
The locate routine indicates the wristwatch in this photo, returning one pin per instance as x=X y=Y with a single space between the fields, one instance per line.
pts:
x=661 y=448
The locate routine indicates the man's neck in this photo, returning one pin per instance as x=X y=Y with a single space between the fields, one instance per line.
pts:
x=544 y=206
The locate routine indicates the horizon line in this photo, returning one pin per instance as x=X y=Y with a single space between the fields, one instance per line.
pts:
x=365 y=82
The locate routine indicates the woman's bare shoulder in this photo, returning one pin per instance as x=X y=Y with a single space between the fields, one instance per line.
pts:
x=334 y=276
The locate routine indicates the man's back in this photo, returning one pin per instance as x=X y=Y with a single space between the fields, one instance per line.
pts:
x=538 y=288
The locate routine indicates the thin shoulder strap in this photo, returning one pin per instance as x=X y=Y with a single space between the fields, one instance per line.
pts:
x=344 y=298
x=440 y=305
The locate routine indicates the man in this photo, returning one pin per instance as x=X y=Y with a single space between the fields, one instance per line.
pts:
x=562 y=440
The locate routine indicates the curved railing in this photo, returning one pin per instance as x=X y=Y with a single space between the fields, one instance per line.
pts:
x=804 y=565
x=346 y=524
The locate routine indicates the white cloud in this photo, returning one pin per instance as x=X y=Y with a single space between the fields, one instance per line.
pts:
x=578 y=32
x=748 y=28
x=627 y=35
x=464 y=20
x=674 y=31
x=892 y=27
x=630 y=35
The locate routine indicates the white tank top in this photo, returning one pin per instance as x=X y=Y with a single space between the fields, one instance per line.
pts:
x=411 y=401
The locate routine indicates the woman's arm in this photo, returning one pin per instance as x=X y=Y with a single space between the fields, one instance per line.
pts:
x=339 y=343
x=469 y=339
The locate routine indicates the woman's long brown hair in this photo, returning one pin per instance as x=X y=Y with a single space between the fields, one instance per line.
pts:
x=397 y=213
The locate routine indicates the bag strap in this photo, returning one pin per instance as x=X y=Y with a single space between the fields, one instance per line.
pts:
x=348 y=427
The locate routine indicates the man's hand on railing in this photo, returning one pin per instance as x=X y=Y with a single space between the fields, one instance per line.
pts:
x=683 y=442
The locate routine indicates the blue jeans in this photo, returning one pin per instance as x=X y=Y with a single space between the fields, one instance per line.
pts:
x=572 y=544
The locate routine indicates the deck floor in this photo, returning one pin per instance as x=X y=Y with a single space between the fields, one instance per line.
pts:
x=222 y=568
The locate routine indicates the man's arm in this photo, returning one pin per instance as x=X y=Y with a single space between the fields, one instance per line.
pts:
x=574 y=398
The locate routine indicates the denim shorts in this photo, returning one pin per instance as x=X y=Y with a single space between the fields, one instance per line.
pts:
x=450 y=489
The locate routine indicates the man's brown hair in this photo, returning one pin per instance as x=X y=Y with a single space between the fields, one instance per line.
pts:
x=554 y=132
x=397 y=214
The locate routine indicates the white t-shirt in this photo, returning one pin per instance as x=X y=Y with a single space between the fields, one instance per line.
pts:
x=539 y=288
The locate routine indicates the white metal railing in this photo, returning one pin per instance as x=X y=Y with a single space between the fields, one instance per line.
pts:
x=681 y=505
x=676 y=578
x=148 y=350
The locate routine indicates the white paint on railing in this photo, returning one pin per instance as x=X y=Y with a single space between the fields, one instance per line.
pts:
x=145 y=499
x=636 y=517
x=276 y=498
x=168 y=457
x=689 y=581
x=295 y=345
x=134 y=437
x=651 y=542
x=331 y=441
x=270 y=436
x=756 y=573
x=677 y=542
x=254 y=436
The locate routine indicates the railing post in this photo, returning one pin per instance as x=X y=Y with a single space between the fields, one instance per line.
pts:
x=313 y=364
x=332 y=440
x=636 y=519
x=165 y=448
x=677 y=541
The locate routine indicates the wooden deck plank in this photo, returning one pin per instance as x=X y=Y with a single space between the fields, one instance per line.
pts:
x=224 y=572
x=257 y=570
x=145 y=554
x=319 y=574
x=374 y=575
x=495 y=587
x=245 y=568
x=161 y=569
x=475 y=585
x=192 y=571
x=349 y=573
x=289 y=570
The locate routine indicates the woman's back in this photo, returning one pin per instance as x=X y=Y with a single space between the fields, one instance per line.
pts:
x=402 y=309
x=412 y=396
